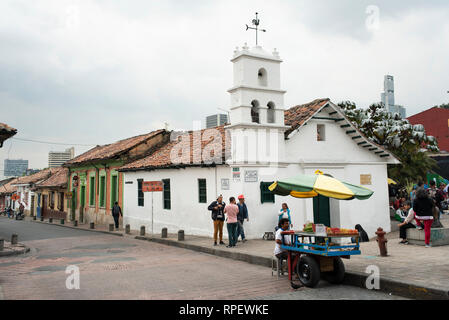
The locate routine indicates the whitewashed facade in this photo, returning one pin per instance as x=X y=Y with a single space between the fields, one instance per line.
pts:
x=267 y=146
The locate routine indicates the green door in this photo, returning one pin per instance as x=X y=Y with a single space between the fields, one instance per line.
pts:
x=73 y=206
x=82 y=202
x=321 y=210
x=113 y=190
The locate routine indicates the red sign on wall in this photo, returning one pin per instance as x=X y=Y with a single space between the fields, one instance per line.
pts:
x=152 y=186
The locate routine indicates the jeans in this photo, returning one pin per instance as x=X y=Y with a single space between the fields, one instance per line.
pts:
x=403 y=230
x=240 y=230
x=232 y=233
x=116 y=220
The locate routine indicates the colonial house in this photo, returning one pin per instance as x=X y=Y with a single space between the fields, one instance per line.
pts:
x=52 y=198
x=25 y=185
x=263 y=142
x=7 y=190
x=94 y=183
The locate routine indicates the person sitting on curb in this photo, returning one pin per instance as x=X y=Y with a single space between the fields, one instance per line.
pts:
x=217 y=208
x=408 y=223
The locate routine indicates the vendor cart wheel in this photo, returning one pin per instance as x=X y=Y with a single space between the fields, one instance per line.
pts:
x=308 y=271
x=338 y=275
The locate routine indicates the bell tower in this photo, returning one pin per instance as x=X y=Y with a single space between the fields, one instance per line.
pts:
x=257 y=104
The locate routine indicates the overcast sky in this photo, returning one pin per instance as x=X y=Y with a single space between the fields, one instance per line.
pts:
x=93 y=72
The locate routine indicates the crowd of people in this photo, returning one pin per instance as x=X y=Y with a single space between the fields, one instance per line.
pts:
x=422 y=209
x=234 y=214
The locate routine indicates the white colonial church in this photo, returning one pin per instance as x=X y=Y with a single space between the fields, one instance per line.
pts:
x=265 y=141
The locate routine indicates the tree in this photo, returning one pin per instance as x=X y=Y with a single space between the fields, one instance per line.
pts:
x=443 y=106
x=409 y=143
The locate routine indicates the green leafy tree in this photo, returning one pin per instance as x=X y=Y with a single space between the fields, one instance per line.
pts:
x=409 y=143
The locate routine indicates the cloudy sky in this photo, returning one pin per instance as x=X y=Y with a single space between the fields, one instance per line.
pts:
x=95 y=71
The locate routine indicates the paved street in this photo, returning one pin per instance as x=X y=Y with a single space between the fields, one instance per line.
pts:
x=123 y=268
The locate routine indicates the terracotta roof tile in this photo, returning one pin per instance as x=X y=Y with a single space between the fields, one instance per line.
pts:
x=34 y=178
x=6 y=132
x=110 y=151
x=9 y=187
x=161 y=158
x=58 y=178
x=296 y=116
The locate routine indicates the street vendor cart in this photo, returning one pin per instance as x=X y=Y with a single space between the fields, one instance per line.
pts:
x=314 y=255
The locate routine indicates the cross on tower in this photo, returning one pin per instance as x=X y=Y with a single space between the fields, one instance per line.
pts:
x=256 y=22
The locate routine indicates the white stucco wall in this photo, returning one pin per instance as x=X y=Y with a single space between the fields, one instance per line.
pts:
x=339 y=156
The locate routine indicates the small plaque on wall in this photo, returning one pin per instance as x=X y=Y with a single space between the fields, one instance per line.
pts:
x=251 y=176
x=365 y=179
x=225 y=184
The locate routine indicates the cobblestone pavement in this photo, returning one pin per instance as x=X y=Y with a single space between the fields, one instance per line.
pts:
x=123 y=268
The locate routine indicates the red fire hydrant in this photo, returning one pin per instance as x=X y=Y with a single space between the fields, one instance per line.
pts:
x=382 y=242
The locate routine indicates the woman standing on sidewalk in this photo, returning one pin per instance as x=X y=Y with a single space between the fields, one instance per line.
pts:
x=232 y=210
x=423 y=207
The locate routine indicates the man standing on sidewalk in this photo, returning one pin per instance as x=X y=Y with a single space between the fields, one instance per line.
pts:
x=217 y=208
x=243 y=214
x=116 y=213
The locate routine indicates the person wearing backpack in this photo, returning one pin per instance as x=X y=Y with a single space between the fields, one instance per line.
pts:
x=116 y=213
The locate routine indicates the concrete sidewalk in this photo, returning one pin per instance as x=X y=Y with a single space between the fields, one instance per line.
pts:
x=410 y=271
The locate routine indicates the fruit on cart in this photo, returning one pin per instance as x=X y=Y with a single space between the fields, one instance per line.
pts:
x=308 y=227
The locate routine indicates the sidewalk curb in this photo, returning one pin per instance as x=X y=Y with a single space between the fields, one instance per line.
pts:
x=78 y=228
x=15 y=252
x=352 y=278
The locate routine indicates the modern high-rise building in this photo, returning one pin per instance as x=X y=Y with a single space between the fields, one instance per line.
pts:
x=388 y=98
x=216 y=120
x=15 y=168
x=57 y=159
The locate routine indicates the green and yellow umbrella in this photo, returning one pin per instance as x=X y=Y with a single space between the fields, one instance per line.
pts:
x=310 y=186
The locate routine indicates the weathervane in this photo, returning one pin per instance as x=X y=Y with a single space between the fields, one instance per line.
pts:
x=255 y=22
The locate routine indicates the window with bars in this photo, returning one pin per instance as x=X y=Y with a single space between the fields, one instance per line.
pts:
x=266 y=196
x=61 y=201
x=140 y=194
x=52 y=200
x=102 y=191
x=166 y=194
x=92 y=191
x=114 y=190
x=202 y=191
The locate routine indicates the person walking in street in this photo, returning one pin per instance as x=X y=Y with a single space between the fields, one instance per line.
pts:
x=116 y=213
x=217 y=208
x=423 y=208
x=232 y=210
x=243 y=214
x=284 y=213
x=408 y=223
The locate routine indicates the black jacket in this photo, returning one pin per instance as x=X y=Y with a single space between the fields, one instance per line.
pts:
x=423 y=207
x=116 y=210
x=217 y=214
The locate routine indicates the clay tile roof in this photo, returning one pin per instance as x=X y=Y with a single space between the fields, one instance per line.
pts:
x=110 y=151
x=297 y=116
x=58 y=178
x=34 y=178
x=161 y=158
x=9 y=187
x=6 y=132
